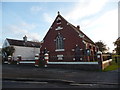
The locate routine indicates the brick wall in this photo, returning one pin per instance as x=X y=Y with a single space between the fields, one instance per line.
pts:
x=76 y=66
x=95 y=66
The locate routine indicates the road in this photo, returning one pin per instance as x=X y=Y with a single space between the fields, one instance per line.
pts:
x=24 y=76
x=31 y=84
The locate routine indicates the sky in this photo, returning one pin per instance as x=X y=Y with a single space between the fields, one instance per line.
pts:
x=98 y=19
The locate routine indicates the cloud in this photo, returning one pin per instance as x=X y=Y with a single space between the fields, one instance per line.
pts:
x=1 y=44
x=35 y=9
x=33 y=36
x=104 y=28
x=28 y=26
x=24 y=29
x=48 y=18
x=85 y=8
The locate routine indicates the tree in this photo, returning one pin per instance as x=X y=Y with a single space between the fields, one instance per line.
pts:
x=101 y=46
x=117 y=44
x=8 y=51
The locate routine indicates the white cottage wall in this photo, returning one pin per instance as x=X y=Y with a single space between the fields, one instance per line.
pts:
x=25 y=52
x=5 y=44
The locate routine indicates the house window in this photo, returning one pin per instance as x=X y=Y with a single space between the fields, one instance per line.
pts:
x=59 y=42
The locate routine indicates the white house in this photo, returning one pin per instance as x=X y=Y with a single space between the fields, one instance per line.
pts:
x=27 y=49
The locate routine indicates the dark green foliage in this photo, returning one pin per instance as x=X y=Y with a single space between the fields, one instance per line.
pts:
x=14 y=62
x=102 y=46
x=114 y=65
x=7 y=51
x=117 y=44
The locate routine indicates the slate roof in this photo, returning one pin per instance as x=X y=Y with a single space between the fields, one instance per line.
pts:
x=86 y=38
x=22 y=43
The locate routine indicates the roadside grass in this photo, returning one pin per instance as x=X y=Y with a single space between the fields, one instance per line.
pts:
x=114 y=65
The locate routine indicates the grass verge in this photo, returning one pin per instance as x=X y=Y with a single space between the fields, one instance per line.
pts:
x=114 y=65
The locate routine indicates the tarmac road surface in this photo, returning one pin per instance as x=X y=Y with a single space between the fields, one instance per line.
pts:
x=24 y=76
x=31 y=84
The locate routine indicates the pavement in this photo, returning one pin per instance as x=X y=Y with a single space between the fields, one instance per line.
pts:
x=55 y=77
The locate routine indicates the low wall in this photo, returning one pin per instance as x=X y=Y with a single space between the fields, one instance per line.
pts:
x=106 y=63
x=94 y=66
x=23 y=61
x=106 y=57
x=27 y=61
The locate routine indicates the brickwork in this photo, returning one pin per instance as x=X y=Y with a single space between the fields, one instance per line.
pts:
x=93 y=67
x=72 y=40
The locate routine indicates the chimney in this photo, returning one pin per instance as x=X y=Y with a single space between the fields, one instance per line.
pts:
x=78 y=27
x=25 y=38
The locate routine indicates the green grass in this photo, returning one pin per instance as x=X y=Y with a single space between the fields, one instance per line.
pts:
x=114 y=65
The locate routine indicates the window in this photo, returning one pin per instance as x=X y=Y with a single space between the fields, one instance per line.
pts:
x=59 y=42
x=81 y=35
x=58 y=20
x=59 y=28
x=88 y=52
x=60 y=57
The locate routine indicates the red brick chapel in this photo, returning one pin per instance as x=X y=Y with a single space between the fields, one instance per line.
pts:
x=65 y=42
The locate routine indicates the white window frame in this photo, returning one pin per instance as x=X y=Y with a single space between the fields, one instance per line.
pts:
x=59 y=28
x=60 y=57
x=60 y=50
x=81 y=35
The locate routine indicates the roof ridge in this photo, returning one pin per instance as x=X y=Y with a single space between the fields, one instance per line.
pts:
x=79 y=31
x=14 y=39
x=21 y=40
x=22 y=43
x=75 y=28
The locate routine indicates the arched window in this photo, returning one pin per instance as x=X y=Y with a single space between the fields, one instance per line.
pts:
x=59 y=42
x=58 y=20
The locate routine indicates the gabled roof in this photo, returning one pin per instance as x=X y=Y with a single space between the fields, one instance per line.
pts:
x=23 y=43
x=87 y=39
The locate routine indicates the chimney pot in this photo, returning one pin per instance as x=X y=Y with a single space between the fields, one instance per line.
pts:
x=25 y=38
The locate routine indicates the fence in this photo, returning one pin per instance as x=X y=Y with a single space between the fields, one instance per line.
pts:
x=100 y=62
x=23 y=61
x=77 y=62
x=106 y=56
x=74 y=62
x=80 y=58
x=106 y=63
